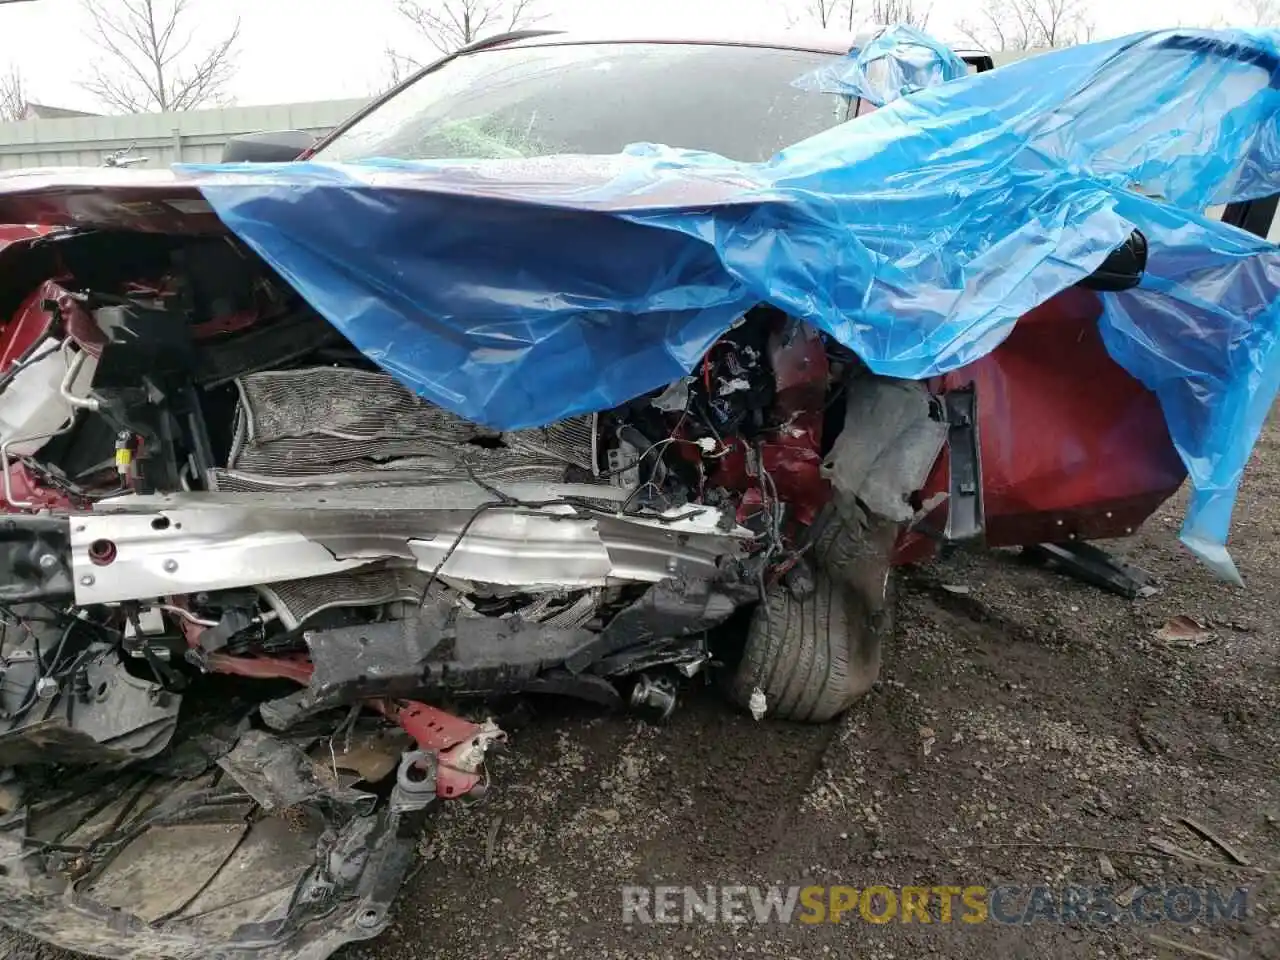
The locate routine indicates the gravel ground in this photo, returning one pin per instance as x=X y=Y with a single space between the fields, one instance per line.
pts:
x=1027 y=729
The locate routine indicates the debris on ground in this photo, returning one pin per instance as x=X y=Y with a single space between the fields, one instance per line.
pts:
x=1186 y=631
x=1205 y=833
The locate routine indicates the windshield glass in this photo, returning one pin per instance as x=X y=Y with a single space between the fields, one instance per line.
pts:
x=596 y=98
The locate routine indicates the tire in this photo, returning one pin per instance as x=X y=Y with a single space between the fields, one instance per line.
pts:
x=813 y=655
x=854 y=548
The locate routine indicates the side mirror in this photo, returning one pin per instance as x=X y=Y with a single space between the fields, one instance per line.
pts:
x=277 y=146
x=1123 y=269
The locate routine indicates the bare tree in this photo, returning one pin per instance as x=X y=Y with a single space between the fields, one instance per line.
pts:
x=852 y=14
x=398 y=68
x=1029 y=24
x=450 y=25
x=13 y=96
x=1260 y=13
x=146 y=60
x=825 y=13
x=891 y=12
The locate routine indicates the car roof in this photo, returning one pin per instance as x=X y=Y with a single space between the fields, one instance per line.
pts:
x=836 y=42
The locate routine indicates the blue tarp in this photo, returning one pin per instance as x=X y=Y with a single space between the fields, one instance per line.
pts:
x=898 y=61
x=518 y=292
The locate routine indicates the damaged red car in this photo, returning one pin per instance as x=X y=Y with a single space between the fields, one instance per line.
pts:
x=259 y=592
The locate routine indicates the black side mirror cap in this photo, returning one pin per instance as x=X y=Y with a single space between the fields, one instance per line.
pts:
x=276 y=146
x=1123 y=268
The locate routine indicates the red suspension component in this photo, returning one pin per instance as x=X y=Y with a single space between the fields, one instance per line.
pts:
x=459 y=745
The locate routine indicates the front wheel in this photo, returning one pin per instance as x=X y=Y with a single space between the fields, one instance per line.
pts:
x=813 y=654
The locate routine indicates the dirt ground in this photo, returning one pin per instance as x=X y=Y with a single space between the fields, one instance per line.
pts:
x=1027 y=729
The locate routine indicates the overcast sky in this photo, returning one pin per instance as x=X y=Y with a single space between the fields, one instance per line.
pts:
x=293 y=50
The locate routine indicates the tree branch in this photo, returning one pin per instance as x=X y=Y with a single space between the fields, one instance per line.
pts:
x=1029 y=24
x=143 y=65
x=13 y=96
x=207 y=79
x=890 y=12
x=449 y=25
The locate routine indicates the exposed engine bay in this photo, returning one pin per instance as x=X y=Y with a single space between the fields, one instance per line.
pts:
x=218 y=492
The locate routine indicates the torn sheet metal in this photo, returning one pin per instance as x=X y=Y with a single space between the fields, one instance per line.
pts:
x=897 y=62
x=521 y=292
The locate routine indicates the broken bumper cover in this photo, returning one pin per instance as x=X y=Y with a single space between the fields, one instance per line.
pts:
x=197 y=869
x=235 y=842
x=143 y=547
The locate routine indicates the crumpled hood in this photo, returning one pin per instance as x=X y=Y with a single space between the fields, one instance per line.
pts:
x=520 y=292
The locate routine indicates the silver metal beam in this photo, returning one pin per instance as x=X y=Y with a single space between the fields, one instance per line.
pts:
x=134 y=548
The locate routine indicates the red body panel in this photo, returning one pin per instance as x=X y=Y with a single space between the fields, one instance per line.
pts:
x=11 y=232
x=26 y=326
x=1073 y=447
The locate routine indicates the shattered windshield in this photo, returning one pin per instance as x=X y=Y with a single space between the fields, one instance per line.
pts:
x=515 y=102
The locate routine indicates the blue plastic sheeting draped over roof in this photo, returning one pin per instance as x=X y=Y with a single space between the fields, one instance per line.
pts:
x=899 y=61
x=519 y=292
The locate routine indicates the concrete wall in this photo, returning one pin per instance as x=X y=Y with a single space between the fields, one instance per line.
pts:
x=194 y=136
